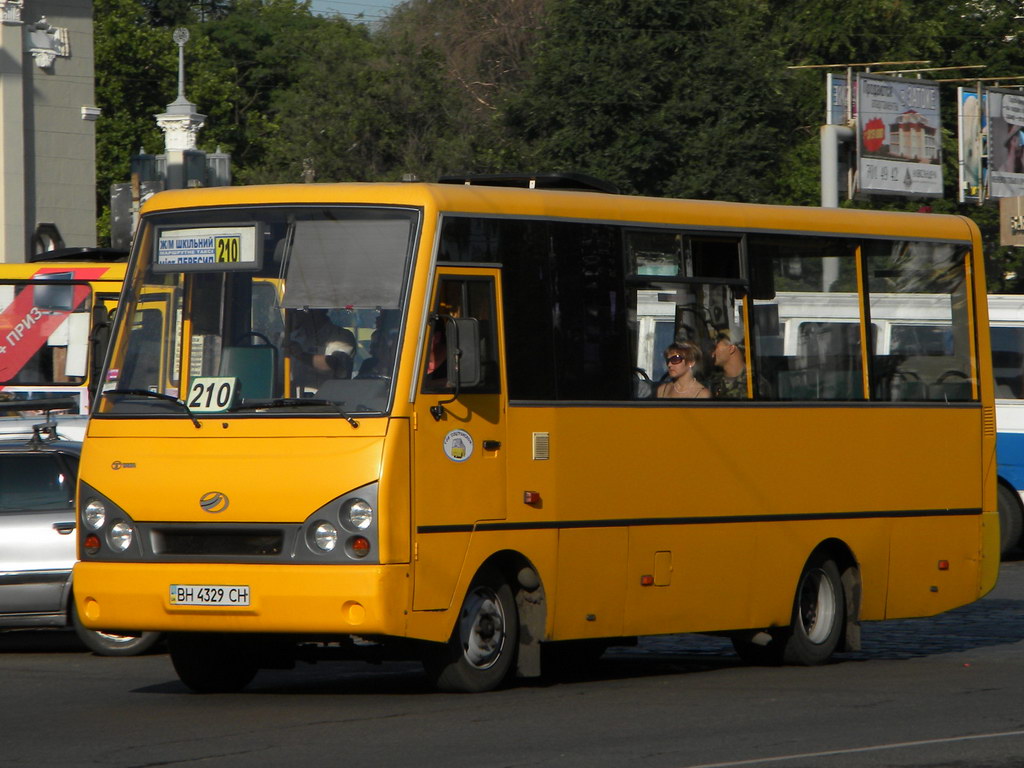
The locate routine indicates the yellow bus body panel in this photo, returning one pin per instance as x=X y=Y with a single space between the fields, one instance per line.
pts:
x=98 y=272
x=360 y=599
x=506 y=201
x=742 y=571
x=270 y=470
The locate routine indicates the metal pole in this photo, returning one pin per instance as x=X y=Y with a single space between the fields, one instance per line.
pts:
x=831 y=137
x=181 y=37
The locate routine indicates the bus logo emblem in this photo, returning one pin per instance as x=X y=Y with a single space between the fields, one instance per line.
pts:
x=213 y=501
x=458 y=445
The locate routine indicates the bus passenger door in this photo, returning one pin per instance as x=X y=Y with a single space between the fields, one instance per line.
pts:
x=459 y=452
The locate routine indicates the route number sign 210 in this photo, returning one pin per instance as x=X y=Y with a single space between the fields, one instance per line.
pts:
x=212 y=394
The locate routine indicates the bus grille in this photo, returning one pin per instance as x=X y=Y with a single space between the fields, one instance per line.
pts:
x=267 y=543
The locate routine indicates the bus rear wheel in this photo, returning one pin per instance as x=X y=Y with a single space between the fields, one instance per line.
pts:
x=209 y=663
x=819 y=613
x=1010 y=521
x=481 y=651
x=816 y=626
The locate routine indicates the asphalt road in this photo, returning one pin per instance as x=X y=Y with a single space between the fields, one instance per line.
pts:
x=944 y=691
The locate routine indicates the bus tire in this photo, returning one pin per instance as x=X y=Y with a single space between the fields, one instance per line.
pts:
x=481 y=651
x=816 y=625
x=209 y=663
x=1010 y=522
x=819 y=614
x=110 y=643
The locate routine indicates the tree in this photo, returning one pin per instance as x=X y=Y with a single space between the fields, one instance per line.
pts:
x=663 y=97
x=235 y=62
x=258 y=51
x=135 y=68
x=484 y=45
x=329 y=125
x=475 y=54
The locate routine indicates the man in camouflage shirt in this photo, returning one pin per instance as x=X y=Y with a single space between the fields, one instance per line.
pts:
x=731 y=382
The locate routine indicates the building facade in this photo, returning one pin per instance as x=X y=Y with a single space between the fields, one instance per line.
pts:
x=47 y=127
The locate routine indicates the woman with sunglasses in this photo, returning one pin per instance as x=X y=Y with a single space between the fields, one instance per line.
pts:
x=681 y=358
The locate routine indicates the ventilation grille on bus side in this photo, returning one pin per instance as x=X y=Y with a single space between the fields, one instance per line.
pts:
x=988 y=421
x=541 y=446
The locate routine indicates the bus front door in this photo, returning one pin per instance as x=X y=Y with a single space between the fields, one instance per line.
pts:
x=459 y=459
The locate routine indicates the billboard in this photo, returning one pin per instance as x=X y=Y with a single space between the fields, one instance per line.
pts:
x=838 y=101
x=1011 y=221
x=1005 y=110
x=899 y=142
x=972 y=126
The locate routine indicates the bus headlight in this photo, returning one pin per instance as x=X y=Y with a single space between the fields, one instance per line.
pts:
x=342 y=530
x=358 y=514
x=120 y=536
x=94 y=515
x=325 y=536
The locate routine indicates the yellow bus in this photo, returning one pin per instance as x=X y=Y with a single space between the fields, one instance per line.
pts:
x=55 y=316
x=422 y=420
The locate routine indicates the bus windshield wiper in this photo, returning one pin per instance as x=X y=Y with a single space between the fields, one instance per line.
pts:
x=289 y=402
x=159 y=396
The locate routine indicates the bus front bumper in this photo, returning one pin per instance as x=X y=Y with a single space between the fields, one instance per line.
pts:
x=293 y=599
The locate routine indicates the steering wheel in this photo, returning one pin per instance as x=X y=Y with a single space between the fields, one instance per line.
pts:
x=952 y=374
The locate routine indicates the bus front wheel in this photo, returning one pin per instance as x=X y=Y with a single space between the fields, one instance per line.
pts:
x=816 y=626
x=481 y=651
x=209 y=663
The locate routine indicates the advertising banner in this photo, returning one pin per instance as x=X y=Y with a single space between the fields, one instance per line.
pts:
x=1005 y=109
x=36 y=315
x=973 y=145
x=899 y=148
x=838 y=101
x=1011 y=221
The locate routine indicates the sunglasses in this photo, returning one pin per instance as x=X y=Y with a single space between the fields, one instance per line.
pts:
x=674 y=359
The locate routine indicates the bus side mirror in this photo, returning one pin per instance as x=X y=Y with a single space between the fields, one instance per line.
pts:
x=462 y=358
x=463 y=352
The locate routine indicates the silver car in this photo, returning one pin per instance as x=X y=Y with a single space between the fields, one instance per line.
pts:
x=37 y=541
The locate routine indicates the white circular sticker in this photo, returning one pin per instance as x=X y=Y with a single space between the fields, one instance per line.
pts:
x=458 y=445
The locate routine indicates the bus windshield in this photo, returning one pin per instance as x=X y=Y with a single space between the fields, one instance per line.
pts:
x=292 y=311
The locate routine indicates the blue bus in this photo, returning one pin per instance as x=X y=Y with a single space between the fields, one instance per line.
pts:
x=1006 y=316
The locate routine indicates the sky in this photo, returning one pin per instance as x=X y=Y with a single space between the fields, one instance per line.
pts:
x=372 y=10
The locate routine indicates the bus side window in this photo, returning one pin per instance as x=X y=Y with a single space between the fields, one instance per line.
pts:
x=462 y=297
x=1008 y=361
x=929 y=351
x=807 y=318
x=684 y=287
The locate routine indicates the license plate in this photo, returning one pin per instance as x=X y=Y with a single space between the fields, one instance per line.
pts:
x=209 y=594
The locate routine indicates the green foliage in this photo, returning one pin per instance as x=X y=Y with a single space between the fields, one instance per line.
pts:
x=135 y=64
x=690 y=98
x=867 y=31
x=664 y=98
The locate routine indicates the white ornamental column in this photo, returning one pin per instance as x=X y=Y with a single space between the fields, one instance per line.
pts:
x=180 y=123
